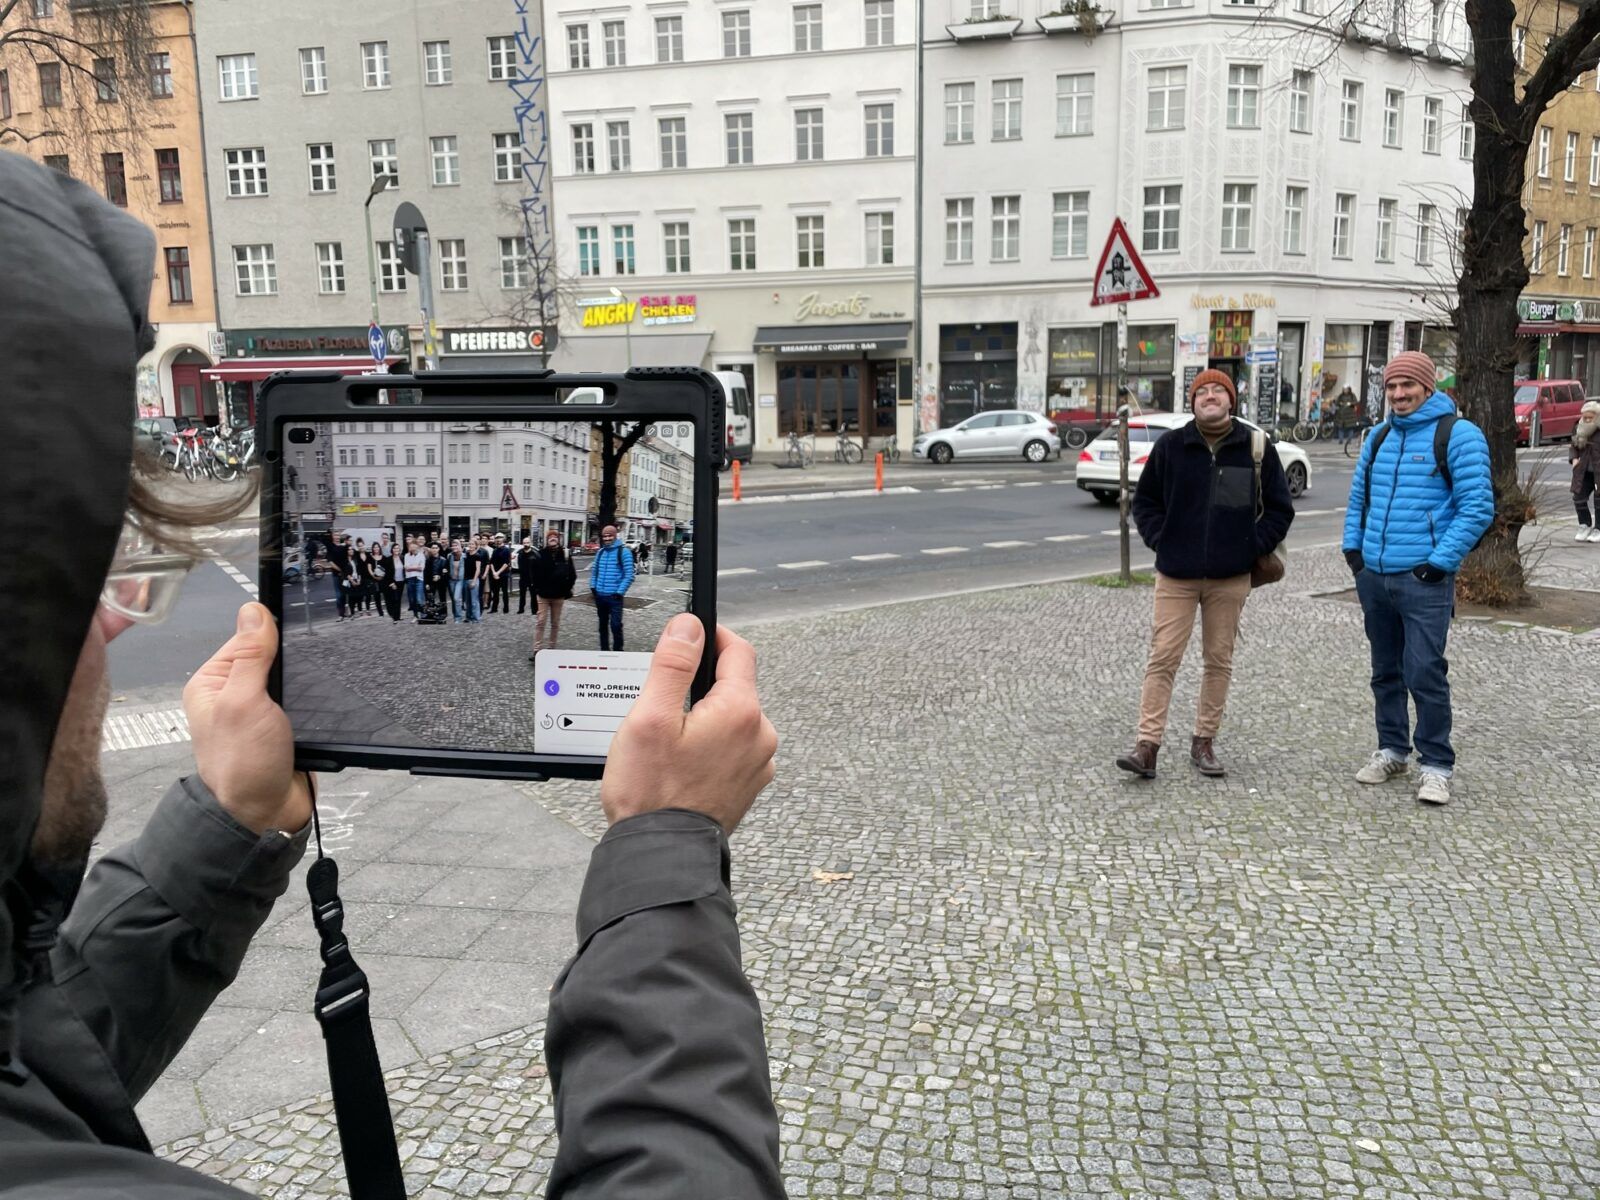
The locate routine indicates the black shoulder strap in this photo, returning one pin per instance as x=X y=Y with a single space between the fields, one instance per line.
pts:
x=1375 y=442
x=1441 y=447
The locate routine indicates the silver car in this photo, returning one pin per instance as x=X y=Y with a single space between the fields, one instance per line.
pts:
x=1007 y=434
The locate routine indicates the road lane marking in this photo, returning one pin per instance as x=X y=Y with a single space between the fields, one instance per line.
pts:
x=1005 y=545
x=848 y=494
x=947 y=550
x=737 y=571
x=1317 y=512
x=801 y=566
x=951 y=489
x=872 y=557
x=1112 y=532
x=1033 y=483
x=1067 y=537
x=238 y=577
x=136 y=731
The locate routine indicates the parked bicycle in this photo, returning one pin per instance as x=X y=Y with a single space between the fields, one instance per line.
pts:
x=1357 y=439
x=889 y=447
x=846 y=450
x=800 y=453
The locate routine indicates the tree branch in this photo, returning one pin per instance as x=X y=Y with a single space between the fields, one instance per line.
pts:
x=1561 y=64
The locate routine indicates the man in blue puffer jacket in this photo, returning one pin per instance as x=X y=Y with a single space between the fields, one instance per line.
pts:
x=1405 y=550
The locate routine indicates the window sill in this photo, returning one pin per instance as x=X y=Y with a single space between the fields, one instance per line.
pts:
x=1015 y=137
x=1165 y=129
x=1355 y=141
x=1089 y=134
x=1244 y=128
x=446 y=83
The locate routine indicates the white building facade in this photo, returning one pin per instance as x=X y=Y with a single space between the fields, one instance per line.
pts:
x=1296 y=199
x=741 y=175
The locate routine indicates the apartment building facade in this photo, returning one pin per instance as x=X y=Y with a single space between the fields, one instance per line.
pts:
x=1295 y=197
x=735 y=188
x=128 y=122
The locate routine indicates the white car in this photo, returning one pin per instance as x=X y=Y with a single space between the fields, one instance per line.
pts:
x=1097 y=464
x=1006 y=434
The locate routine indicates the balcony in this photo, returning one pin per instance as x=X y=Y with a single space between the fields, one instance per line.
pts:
x=979 y=29
x=1076 y=16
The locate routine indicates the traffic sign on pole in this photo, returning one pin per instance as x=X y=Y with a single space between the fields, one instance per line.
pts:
x=1121 y=275
x=408 y=223
x=508 y=499
x=377 y=343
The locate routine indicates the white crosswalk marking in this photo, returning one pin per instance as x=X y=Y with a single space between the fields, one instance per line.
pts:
x=1112 y=532
x=238 y=577
x=800 y=566
x=872 y=557
x=1032 y=483
x=947 y=550
x=1005 y=545
x=1067 y=537
x=737 y=571
x=950 y=489
x=135 y=731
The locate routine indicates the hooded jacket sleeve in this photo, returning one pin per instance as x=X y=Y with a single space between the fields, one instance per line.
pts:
x=654 y=1041
x=161 y=925
x=1355 y=513
x=1277 y=505
x=1473 y=490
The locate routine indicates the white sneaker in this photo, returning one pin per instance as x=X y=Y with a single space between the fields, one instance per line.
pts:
x=1381 y=768
x=1434 y=788
x=1585 y=534
x=1594 y=534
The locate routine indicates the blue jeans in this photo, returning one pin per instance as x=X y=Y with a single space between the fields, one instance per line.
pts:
x=463 y=600
x=414 y=593
x=609 y=608
x=1407 y=624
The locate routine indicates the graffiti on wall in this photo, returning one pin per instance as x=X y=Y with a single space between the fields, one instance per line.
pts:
x=533 y=133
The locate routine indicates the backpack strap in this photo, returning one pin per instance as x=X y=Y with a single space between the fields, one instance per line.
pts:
x=1441 y=448
x=1375 y=441
x=1258 y=451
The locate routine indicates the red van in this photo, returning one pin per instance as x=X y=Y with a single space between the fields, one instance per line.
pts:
x=1547 y=408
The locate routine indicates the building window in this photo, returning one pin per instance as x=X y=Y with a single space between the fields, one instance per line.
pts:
x=388 y=486
x=808 y=241
x=1588 y=252
x=619 y=146
x=1294 y=220
x=807 y=134
x=330 y=268
x=1469 y=133
x=385 y=161
x=1244 y=97
x=5 y=94
x=1563 y=250
x=513 y=263
x=58 y=162
x=391 y=272
x=675 y=247
x=180 y=290
x=1543 y=168
x=880 y=239
x=502 y=58
x=169 y=176
x=1168 y=98
x=428 y=454
x=960 y=103
x=880 y=22
x=437 y=70
x=1074 y=106
x=50 y=85
x=1161 y=217
x=388 y=456
x=1519 y=45
x=313 y=71
x=238 y=75
x=1300 y=84
x=433 y=486
x=736 y=33
x=739 y=129
x=1350 y=112
x=1344 y=206
x=1069 y=225
x=375 y=65
x=622 y=260
x=255 y=270
x=160 y=75
x=583 y=149
x=246 y=170
x=453 y=264
x=578 y=47
x=105 y=80
x=411 y=489
x=320 y=157
x=807 y=28
x=674 y=142
x=1432 y=118
x=880 y=130
x=1006 y=103
x=1005 y=229
x=507 y=157
x=613 y=34
x=742 y=244
x=1393 y=106
x=445 y=153
x=1238 y=215
x=1569 y=163
x=669 y=39
x=1425 y=216
x=1594 y=161
x=588 y=250
x=958 y=219
x=1388 y=212
x=483 y=489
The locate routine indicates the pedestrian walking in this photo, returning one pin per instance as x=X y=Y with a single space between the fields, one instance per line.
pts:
x=1209 y=509
x=1345 y=414
x=672 y=557
x=610 y=576
x=526 y=556
x=1585 y=463
x=1420 y=499
x=553 y=577
x=415 y=560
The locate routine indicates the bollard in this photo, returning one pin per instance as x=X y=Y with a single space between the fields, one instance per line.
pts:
x=880 y=470
x=737 y=489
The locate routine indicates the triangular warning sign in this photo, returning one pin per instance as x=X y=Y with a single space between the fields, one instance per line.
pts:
x=508 y=501
x=1121 y=275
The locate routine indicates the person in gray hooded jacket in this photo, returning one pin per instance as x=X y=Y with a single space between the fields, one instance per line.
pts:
x=654 y=1042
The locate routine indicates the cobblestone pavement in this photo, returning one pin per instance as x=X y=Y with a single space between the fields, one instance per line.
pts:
x=993 y=966
x=382 y=682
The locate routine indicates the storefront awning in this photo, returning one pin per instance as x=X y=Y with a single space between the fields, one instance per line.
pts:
x=611 y=351
x=848 y=339
x=245 y=370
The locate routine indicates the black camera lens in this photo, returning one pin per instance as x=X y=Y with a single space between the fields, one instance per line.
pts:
x=302 y=437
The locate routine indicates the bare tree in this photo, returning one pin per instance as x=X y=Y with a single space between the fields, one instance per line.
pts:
x=614 y=446
x=100 y=50
x=550 y=291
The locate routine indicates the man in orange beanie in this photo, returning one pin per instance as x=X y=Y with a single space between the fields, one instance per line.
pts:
x=1198 y=507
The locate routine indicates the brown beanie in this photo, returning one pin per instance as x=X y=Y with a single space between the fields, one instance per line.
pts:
x=1413 y=366
x=1212 y=375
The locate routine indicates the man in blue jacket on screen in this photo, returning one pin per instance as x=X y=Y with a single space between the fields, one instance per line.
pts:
x=1420 y=500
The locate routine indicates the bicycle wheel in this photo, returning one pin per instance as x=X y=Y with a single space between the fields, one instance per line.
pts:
x=189 y=466
x=1353 y=443
x=850 y=451
x=1305 y=431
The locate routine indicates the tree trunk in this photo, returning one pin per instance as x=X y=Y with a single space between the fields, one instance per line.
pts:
x=612 y=452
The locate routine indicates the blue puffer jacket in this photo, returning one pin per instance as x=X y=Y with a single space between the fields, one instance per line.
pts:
x=1416 y=518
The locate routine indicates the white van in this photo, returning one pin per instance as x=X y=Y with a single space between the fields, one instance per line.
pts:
x=739 y=418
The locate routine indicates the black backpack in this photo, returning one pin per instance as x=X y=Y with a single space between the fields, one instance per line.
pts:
x=1441 y=458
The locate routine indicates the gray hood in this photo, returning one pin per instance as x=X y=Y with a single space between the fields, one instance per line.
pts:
x=75 y=276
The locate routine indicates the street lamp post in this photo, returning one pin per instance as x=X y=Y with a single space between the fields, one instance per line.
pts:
x=627 y=326
x=379 y=184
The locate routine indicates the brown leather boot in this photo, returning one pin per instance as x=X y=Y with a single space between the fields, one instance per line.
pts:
x=1142 y=761
x=1204 y=757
